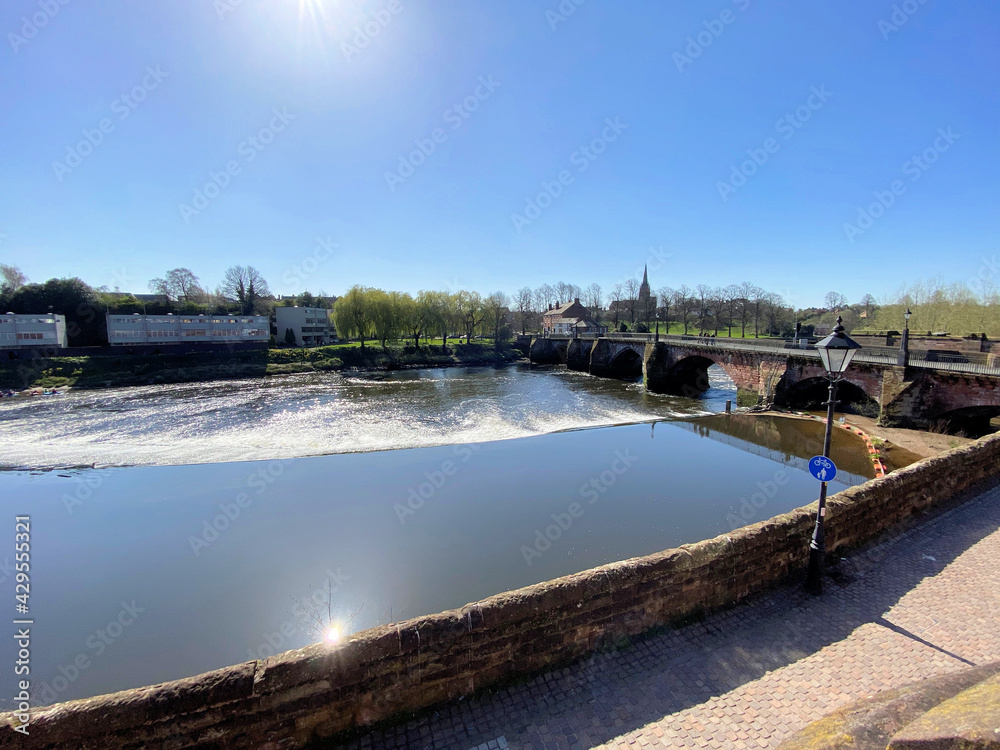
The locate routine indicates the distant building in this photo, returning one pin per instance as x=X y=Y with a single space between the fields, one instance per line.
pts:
x=311 y=325
x=125 y=330
x=17 y=331
x=569 y=318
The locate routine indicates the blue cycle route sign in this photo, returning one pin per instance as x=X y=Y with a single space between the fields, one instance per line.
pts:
x=822 y=468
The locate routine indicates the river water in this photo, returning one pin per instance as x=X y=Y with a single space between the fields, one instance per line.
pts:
x=222 y=516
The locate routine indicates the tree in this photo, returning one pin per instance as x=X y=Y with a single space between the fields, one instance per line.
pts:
x=730 y=297
x=632 y=300
x=615 y=302
x=665 y=297
x=744 y=309
x=835 y=301
x=471 y=312
x=352 y=314
x=496 y=311
x=522 y=301
x=78 y=302
x=290 y=337
x=544 y=296
x=594 y=301
x=870 y=305
x=247 y=286
x=704 y=299
x=178 y=283
x=12 y=277
x=757 y=298
x=386 y=314
x=776 y=315
x=682 y=304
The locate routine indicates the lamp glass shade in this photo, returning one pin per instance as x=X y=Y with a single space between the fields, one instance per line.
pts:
x=836 y=359
x=837 y=350
x=907 y=314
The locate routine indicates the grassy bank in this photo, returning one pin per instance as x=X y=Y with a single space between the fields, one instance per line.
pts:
x=126 y=370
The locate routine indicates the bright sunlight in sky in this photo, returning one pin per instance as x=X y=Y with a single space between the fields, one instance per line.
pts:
x=446 y=145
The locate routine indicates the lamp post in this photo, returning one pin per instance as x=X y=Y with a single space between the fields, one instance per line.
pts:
x=836 y=350
x=904 y=346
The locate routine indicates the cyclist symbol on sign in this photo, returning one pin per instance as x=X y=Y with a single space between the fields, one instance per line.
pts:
x=822 y=468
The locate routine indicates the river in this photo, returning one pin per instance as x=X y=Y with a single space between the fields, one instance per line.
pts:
x=221 y=516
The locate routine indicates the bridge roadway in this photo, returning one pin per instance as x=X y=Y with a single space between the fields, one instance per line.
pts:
x=923 y=394
x=924 y=603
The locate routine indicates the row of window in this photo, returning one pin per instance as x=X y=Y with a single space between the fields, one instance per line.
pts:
x=11 y=320
x=26 y=336
x=138 y=320
x=219 y=333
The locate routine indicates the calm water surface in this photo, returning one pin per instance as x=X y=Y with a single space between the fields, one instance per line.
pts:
x=232 y=561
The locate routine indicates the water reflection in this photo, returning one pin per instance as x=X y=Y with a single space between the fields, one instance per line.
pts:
x=226 y=561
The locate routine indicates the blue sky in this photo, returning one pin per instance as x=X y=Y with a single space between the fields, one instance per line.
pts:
x=695 y=89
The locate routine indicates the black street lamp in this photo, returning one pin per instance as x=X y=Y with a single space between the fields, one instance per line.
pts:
x=836 y=350
x=904 y=347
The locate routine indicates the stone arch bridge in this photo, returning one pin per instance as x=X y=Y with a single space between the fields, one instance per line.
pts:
x=920 y=395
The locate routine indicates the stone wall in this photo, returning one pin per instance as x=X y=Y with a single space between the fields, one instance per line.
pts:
x=295 y=698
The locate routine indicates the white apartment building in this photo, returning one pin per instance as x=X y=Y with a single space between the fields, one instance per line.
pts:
x=311 y=325
x=125 y=330
x=32 y=330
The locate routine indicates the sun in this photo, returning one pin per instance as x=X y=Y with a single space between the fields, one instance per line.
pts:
x=332 y=635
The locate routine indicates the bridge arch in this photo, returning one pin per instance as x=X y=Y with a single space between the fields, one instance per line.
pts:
x=689 y=376
x=626 y=364
x=970 y=421
x=812 y=394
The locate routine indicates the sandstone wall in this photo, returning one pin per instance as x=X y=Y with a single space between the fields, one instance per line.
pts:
x=293 y=698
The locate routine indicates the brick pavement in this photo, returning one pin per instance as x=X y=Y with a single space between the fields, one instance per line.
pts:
x=923 y=603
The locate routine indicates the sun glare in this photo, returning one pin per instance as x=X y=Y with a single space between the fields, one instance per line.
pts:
x=332 y=635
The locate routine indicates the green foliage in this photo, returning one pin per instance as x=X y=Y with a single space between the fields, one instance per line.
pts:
x=290 y=337
x=85 y=321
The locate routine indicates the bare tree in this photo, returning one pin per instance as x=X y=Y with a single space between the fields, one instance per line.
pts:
x=545 y=295
x=774 y=308
x=178 y=283
x=664 y=299
x=757 y=298
x=870 y=305
x=246 y=285
x=682 y=304
x=616 y=300
x=632 y=300
x=731 y=297
x=522 y=300
x=594 y=297
x=835 y=301
x=496 y=311
x=704 y=298
x=744 y=308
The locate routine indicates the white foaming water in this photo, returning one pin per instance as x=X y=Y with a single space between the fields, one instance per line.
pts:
x=319 y=414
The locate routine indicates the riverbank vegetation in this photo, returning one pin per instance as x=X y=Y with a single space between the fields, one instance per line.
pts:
x=129 y=370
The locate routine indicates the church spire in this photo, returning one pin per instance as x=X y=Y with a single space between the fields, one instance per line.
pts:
x=644 y=291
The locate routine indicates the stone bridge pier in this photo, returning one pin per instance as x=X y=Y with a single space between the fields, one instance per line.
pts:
x=683 y=371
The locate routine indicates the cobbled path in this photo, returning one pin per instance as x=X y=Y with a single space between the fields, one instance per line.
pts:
x=923 y=603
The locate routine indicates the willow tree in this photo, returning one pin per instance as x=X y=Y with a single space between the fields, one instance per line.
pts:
x=352 y=313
